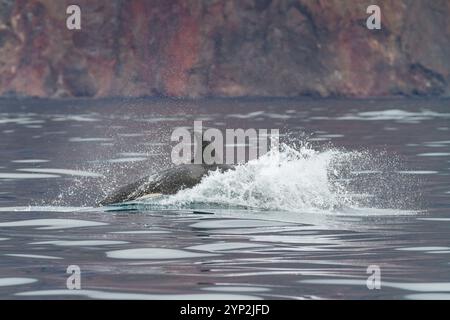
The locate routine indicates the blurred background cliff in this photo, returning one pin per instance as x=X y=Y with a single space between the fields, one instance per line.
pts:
x=196 y=48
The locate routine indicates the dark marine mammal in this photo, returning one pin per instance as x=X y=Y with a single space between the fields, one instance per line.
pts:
x=168 y=181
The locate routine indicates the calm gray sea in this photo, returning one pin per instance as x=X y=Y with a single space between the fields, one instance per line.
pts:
x=369 y=191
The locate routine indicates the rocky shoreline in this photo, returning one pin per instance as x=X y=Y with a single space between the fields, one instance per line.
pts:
x=224 y=48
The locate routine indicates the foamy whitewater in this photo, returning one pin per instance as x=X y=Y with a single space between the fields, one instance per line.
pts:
x=293 y=178
x=288 y=179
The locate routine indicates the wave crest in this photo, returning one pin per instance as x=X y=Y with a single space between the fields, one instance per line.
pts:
x=285 y=179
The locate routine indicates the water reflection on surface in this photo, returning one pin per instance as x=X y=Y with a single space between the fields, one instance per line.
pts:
x=56 y=166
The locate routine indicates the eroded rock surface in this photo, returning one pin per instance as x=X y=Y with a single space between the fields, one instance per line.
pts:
x=195 y=48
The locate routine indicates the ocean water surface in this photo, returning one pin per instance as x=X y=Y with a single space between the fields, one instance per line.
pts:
x=356 y=184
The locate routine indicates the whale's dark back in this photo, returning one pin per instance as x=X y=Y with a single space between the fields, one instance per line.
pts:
x=169 y=181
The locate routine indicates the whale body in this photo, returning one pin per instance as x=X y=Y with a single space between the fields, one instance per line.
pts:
x=166 y=182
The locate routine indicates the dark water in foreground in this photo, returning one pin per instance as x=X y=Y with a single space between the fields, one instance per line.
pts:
x=60 y=157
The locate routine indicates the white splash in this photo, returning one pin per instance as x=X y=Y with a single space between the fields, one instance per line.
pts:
x=288 y=179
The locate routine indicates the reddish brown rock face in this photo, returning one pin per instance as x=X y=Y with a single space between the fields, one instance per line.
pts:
x=200 y=48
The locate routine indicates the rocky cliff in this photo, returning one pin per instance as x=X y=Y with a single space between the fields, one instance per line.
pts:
x=195 y=48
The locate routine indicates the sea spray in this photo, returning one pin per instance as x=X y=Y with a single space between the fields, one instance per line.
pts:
x=298 y=178
x=294 y=177
x=282 y=179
